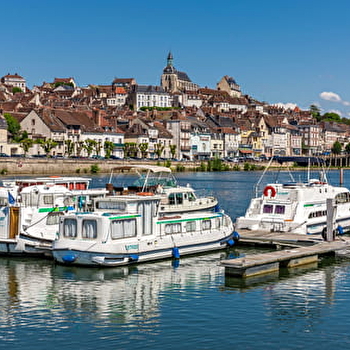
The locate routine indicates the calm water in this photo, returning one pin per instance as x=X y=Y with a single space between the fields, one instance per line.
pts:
x=190 y=306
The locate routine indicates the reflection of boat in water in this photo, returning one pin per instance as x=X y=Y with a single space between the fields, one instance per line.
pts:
x=128 y=229
x=297 y=207
x=124 y=294
x=30 y=210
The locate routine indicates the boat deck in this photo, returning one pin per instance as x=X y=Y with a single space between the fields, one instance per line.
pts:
x=260 y=237
x=302 y=250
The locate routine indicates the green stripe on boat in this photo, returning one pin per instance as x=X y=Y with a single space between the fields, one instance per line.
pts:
x=124 y=217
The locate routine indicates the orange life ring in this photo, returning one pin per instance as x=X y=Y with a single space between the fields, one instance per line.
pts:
x=269 y=191
x=145 y=194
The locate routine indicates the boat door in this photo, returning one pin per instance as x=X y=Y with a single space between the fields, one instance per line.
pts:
x=14 y=222
x=4 y=221
x=147 y=211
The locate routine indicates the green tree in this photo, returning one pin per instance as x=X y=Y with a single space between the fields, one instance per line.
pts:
x=89 y=146
x=16 y=89
x=69 y=149
x=336 y=148
x=47 y=145
x=108 y=147
x=172 y=150
x=79 y=148
x=331 y=117
x=130 y=149
x=98 y=147
x=13 y=126
x=158 y=149
x=143 y=147
x=26 y=144
x=316 y=112
x=347 y=148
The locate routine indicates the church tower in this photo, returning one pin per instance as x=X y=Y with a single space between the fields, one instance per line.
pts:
x=173 y=80
x=169 y=77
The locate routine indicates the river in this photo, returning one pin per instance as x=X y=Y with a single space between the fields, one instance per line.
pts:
x=187 y=306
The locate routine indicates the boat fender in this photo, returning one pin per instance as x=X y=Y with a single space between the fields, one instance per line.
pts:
x=69 y=258
x=230 y=242
x=340 y=230
x=269 y=191
x=176 y=253
x=236 y=236
x=133 y=257
x=145 y=194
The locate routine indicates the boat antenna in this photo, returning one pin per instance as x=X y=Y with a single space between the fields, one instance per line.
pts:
x=261 y=177
x=110 y=178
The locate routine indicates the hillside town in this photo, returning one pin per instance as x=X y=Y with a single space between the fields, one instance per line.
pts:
x=177 y=119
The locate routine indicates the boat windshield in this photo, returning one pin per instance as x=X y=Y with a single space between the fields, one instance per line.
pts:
x=164 y=180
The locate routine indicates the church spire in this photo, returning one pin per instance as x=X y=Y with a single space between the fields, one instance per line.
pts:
x=170 y=59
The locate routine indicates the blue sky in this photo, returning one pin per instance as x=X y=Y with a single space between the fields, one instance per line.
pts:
x=278 y=51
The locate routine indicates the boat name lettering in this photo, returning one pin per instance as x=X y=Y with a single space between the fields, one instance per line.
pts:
x=132 y=246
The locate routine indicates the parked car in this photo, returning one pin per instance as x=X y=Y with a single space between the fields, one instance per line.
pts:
x=4 y=155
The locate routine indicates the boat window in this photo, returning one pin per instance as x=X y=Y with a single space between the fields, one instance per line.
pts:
x=190 y=226
x=279 y=209
x=123 y=228
x=191 y=197
x=89 y=229
x=48 y=199
x=3 y=201
x=171 y=198
x=268 y=209
x=216 y=222
x=53 y=218
x=70 y=228
x=206 y=225
x=111 y=205
x=317 y=214
x=342 y=198
x=172 y=228
x=179 y=198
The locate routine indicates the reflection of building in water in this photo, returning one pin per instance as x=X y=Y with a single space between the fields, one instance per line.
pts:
x=123 y=294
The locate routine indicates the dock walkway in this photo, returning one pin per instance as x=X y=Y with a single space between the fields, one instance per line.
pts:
x=302 y=250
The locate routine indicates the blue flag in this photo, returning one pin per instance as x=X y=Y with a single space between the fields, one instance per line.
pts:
x=11 y=199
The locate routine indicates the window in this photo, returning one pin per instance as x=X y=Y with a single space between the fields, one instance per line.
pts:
x=172 y=228
x=89 y=229
x=123 y=228
x=111 y=205
x=70 y=228
x=179 y=198
x=216 y=223
x=48 y=199
x=53 y=218
x=171 y=198
x=268 y=209
x=191 y=197
x=190 y=226
x=206 y=225
x=279 y=209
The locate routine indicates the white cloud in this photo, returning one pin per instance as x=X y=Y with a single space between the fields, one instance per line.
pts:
x=330 y=96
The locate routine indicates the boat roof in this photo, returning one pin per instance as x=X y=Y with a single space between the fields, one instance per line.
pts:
x=151 y=168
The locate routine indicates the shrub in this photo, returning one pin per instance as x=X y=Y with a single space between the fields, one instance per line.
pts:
x=94 y=169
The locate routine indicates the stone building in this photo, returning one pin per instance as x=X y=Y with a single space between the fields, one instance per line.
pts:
x=173 y=80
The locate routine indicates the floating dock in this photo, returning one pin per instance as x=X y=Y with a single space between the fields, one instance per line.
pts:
x=301 y=250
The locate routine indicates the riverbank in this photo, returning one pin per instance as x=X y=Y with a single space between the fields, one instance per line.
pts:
x=52 y=166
